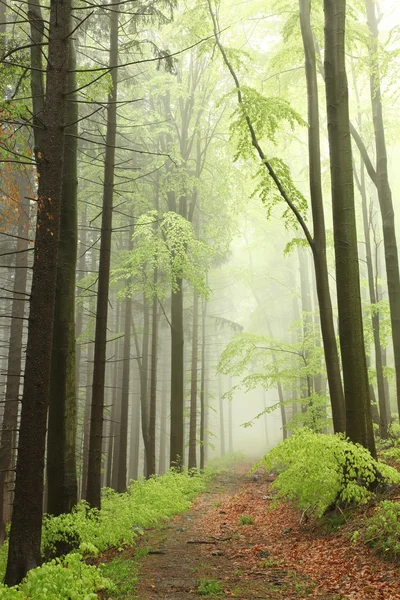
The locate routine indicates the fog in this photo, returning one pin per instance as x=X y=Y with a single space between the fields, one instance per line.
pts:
x=161 y=244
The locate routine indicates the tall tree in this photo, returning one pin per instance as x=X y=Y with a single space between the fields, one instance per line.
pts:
x=192 y=460
x=26 y=527
x=319 y=239
x=14 y=363
x=383 y=188
x=355 y=375
x=100 y=344
x=62 y=484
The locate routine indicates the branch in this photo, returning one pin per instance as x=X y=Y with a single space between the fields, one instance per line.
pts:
x=254 y=139
x=364 y=154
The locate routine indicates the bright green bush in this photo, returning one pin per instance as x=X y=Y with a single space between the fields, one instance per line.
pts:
x=383 y=529
x=69 y=579
x=122 y=517
x=317 y=470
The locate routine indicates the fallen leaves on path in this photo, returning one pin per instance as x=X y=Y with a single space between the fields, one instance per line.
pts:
x=338 y=567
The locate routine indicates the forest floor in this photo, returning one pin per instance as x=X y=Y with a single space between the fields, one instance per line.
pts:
x=232 y=544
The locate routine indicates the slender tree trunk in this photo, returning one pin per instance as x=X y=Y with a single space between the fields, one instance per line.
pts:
x=265 y=420
x=358 y=409
x=62 y=492
x=177 y=368
x=192 y=459
x=100 y=345
x=203 y=409
x=230 y=421
x=221 y=417
x=123 y=447
x=25 y=536
x=163 y=433
x=14 y=363
x=134 y=437
x=144 y=391
x=384 y=191
x=88 y=397
x=319 y=241
x=384 y=416
x=116 y=422
x=151 y=467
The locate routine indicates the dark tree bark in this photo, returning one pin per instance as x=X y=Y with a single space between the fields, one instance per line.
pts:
x=62 y=487
x=14 y=363
x=319 y=241
x=355 y=376
x=177 y=368
x=25 y=535
x=384 y=190
x=100 y=345
x=192 y=459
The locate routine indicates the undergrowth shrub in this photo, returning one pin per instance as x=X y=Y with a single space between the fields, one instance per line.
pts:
x=317 y=471
x=145 y=504
x=383 y=529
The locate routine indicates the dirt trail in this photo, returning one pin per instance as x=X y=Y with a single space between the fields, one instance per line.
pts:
x=209 y=550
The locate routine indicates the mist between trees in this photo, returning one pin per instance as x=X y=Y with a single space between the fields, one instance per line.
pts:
x=197 y=238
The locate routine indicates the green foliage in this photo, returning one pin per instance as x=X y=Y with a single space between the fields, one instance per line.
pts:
x=210 y=588
x=68 y=578
x=271 y=197
x=272 y=362
x=266 y=116
x=166 y=243
x=246 y=520
x=317 y=471
x=383 y=529
x=117 y=524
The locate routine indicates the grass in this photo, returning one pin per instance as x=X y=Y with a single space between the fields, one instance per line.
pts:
x=210 y=588
x=123 y=574
x=246 y=520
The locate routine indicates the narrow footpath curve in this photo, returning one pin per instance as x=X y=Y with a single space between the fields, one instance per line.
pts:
x=210 y=551
x=214 y=549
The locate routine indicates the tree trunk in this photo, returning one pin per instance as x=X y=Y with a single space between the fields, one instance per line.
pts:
x=153 y=385
x=88 y=396
x=123 y=442
x=100 y=344
x=62 y=492
x=384 y=414
x=221 y=417
x=319 y=241
x=230 y=421
x=25 y=536
x=163 y=434
x=355 y=376
x=116 y=395
x=192 y=459
x=384 y=191
x=203 y=409
x=14 y=363
x=177 y=368
x=144 y=392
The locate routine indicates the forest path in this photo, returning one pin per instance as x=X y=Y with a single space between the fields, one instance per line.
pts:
x=209 y=553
